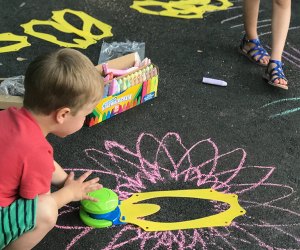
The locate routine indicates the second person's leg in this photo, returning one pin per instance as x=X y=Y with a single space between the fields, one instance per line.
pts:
x=281 y=16
x=250 y=15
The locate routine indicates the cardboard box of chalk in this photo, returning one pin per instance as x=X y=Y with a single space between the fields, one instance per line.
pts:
x=134 y=88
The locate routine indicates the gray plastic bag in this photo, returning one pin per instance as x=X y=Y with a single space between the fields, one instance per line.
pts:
x=114 y=50
x=13 y=86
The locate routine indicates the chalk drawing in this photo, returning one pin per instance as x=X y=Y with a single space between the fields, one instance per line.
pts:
x=285 y=101
x=292 y=55
x=20 y=42
x=258 y=22
x=231 y=18
x=270 y=32
x=235 y=7
x=161 y=162
x=59 y=23
x=180 y=8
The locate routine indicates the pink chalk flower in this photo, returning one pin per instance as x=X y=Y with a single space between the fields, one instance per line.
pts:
x=162 y=164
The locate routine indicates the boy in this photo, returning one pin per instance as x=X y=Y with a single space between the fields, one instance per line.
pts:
x=61 y=88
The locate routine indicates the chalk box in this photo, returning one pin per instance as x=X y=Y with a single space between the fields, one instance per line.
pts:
x=7 y=101
x=135 y=95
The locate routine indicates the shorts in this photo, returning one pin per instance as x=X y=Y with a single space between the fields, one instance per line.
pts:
x=17 y=219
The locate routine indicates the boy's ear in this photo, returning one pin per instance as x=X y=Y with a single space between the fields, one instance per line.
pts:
x=61 y=114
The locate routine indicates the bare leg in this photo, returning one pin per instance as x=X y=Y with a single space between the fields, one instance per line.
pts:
x=281 y=16
x=251 y=9
x=46 y=218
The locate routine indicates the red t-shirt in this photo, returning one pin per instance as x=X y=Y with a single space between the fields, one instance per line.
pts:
x=26 y=157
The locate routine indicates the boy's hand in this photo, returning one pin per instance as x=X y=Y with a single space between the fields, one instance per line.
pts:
x=80 y=189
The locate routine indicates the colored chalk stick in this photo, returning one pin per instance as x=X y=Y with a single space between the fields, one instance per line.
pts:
x=214 y=81
x=120 y=109
x=134 y=102
x=108 y=114
x=144 y=91
x=106 y=90
x=103 y=116
x=113 y=87
x=91 y=122
x=154 y=82
x=149 y=86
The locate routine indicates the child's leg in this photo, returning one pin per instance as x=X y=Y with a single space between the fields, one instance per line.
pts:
x=250 y=8
x=47 y=213
x=281 y=16
x=250 y=14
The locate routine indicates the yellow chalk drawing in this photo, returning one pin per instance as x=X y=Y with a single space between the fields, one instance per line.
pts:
x=62 y=25
x=21 y=42
x=181 y=8
x=134 y=213
x=78 y=43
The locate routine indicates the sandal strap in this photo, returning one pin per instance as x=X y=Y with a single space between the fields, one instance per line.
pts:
x=277 y=62
x=279 y=71
x=259 y=51
x=258 y=48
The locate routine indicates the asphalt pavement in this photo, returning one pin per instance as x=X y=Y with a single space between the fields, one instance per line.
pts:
x=240 y=139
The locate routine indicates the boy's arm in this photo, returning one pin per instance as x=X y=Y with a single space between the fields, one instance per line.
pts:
x=59 y=176
x=62 y=197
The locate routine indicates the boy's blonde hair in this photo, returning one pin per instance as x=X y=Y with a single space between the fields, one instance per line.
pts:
x=64 y=78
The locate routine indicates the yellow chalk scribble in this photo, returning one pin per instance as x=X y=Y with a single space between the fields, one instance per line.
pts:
x=59 y=23
x=181 y=8
x=134 y=212
x=20 y=42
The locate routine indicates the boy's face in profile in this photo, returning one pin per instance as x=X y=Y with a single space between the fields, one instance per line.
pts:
x=72 y=123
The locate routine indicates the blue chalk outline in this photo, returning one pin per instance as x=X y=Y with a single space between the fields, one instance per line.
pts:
x=286 y=112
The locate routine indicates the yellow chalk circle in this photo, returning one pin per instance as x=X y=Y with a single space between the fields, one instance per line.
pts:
x=134 y=213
